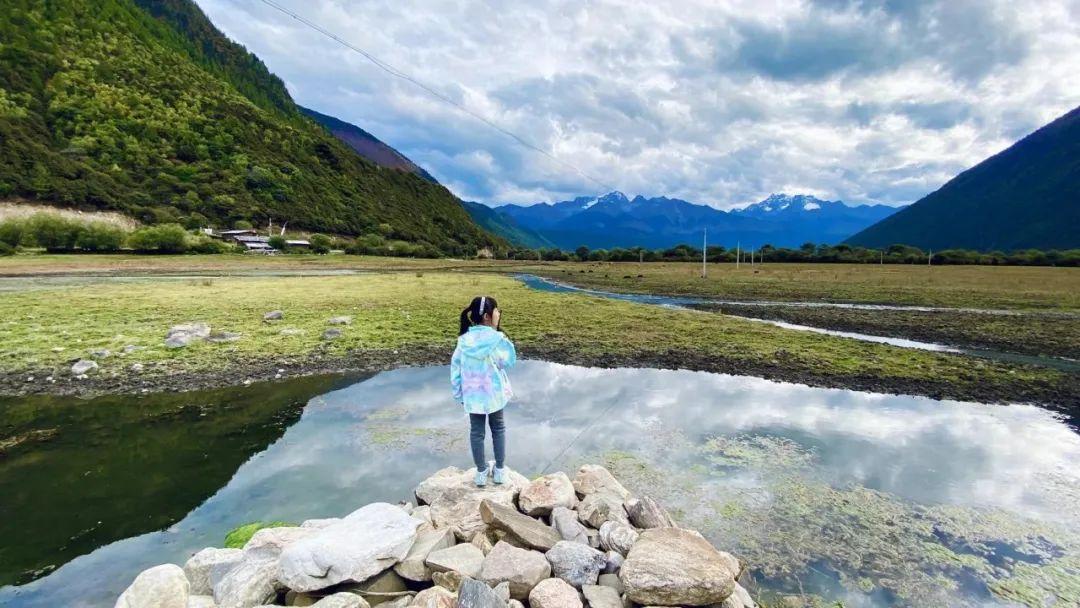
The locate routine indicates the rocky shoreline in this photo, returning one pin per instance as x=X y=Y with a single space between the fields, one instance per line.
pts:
x=553 y=542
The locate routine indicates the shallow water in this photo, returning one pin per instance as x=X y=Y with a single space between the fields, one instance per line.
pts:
x=544 y=284
x=870 y=499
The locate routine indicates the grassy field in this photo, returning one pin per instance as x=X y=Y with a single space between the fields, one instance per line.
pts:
x=1012 y=287
x=411 y=317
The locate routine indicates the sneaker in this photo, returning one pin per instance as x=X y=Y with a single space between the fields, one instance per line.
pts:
x=481 y=477
x=499 y=475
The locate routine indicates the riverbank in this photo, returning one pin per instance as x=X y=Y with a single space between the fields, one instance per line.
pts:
x=389 y=320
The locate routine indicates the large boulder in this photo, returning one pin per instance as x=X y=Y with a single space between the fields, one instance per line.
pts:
x=382 y=588
x=530 y=532
x=611 y=580
x=162 y=586
x=617 y=536
x=413 y=567
x=554 y=593
x=599 y=507
x=268 y=543
x=198 y=569
x=522 y=568
x=466 y=559
x=201 y=601
x=566 y=523
x=739 y=598
x=454 y=499
x=341 y=600
x=474 y=594
x=600 y=596
x=675 y=567
x=646 y=513
x=593 y=478
x=575 y=563
x=547 y=492
x=364 y=543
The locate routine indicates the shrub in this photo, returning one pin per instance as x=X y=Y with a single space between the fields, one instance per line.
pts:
x=12 y=232
x=99 y=236
x=165 y=238
x=278 y=242
x=242 y=225
x=205 y=244
x=6 y=249
x=53 y=232
x=320 y=243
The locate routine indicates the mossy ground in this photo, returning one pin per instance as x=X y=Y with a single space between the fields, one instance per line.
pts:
x=44 y=330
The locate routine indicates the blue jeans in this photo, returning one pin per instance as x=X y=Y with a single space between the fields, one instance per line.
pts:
x=498 y=438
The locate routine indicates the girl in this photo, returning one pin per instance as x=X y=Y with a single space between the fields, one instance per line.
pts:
x=478 y=379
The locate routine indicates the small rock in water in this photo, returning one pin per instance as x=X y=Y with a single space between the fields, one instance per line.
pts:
x=340 y=320
x=82 y=366
x=273 y=315
x=331 y=334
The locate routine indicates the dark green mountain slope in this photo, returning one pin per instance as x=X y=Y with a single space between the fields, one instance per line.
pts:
x=1028 y=196
x=105 y=105
x=367 y=145
x=499 y=223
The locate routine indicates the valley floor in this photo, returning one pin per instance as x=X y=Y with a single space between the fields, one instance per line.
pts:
x=408 y=317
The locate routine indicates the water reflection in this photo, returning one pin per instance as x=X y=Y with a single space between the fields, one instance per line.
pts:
x=861 y=497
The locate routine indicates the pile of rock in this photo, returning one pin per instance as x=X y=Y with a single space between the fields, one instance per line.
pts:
x=549 y=543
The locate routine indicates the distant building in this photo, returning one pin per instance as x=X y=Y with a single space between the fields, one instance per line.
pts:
x=254 y=243
x=298 y=244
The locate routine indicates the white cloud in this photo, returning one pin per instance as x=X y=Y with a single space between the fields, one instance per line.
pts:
x=714 y=102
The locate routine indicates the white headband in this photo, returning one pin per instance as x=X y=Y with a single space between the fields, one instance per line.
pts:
x=482 y=300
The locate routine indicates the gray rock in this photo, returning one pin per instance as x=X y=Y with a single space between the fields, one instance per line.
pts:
x=449 y=580
x=181 y=335
x=554 y=593
x=532 y=533
x=482 y=542
x=273 y=315
x=198 y=568
x=601 y=506
x=503 y=591
x=466 y=559
x=130 y=348
x=611 y=580
x=575 y=563
x=343 y=320
x=593 y=478
x=341 y=600
x=384 y=587
x=401 y=602
x=617 y=536
x=522 y=568
x=137 y=367
x=201 y=601
x=268 y=543
x=646 y=513
x=566 y=523
x=514 y=604
x=474 y=594
x=412 y=567
x=319 y=523
x=547 y=492
x=454 y=499
x=364 y=543
x=434 y=597
x=249 y=583
x=100 y=353
x=739 y=598
x=675 y=567
x=83 y=366
x=331 y=334
x=158 y=587
x=599 y=596
x=614 y=562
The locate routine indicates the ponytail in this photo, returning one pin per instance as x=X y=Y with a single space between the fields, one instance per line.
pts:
x=473 y=314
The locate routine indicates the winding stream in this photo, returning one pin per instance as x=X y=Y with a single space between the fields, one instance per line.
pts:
x=545 y=284
x=873 y=500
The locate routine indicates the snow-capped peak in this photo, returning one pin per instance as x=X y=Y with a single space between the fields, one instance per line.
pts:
x=810 y=206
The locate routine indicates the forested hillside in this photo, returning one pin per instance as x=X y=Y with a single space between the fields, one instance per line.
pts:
x=153 y=112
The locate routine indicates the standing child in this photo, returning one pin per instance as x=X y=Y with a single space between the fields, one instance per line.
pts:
x=478 y=379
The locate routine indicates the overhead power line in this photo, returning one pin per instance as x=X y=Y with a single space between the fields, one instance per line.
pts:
x=389 y=69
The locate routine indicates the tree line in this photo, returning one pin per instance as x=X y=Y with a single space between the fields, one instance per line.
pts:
x=807 y=253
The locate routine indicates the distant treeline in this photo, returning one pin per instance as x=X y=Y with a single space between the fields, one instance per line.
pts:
x=808 y=253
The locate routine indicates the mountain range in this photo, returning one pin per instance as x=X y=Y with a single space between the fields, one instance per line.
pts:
x=1027 y=196
x=614 y=220
x=145 y=107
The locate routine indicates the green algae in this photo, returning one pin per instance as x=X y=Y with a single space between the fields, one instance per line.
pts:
x=240 y=535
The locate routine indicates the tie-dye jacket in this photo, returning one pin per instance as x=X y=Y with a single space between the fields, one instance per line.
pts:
x=478 y=370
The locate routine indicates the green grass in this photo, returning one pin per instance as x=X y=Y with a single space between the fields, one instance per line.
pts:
x=420 y=310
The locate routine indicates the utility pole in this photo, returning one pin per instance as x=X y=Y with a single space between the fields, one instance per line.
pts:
x=929 y=257
x=704 y=248
x=738 y=254
x=881 y=260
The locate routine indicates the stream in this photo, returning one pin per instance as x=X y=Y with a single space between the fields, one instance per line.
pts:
x=873 y=500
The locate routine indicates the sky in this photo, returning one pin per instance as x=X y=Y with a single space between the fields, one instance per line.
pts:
x=715 y=102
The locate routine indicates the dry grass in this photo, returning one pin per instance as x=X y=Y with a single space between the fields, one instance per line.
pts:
x=22 y=210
